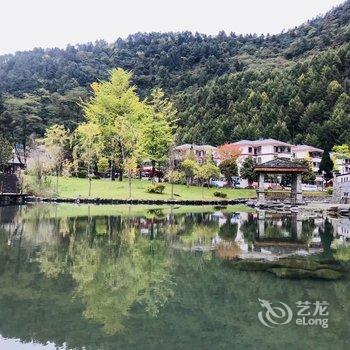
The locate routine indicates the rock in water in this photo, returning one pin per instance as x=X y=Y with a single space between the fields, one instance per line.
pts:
x=326 y=274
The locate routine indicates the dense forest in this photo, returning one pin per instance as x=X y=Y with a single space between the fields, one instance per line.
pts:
x=293 y=86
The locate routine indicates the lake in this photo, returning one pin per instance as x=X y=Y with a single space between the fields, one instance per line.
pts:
x=137 y=277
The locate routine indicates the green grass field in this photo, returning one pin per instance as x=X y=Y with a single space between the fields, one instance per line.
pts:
x=74 y=187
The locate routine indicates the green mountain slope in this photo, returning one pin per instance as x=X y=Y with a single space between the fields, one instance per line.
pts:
x=293 y=85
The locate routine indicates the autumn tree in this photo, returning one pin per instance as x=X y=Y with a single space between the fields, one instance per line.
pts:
x=229 y=151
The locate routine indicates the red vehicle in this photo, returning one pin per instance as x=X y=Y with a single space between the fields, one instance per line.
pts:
x=147 y=173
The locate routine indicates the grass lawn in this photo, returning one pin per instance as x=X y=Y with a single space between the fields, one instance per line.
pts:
x=74 y=187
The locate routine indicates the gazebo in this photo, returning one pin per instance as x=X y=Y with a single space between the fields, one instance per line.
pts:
x=281 y=166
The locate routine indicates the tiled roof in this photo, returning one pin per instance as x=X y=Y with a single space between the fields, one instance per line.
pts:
x=280 y=165
x=306 y=148
x=263 y=142
x=195 y=147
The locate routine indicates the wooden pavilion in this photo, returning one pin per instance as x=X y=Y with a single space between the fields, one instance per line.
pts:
x=281 y=166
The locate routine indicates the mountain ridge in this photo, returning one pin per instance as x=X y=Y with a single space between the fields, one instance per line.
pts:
x=188 y=66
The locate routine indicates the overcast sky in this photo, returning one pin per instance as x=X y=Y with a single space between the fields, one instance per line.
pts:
x=25 y=24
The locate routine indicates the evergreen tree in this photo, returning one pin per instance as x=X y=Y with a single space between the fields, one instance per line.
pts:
x=326 y=165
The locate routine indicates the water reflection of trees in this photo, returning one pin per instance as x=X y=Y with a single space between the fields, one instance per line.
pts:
x=112 y=270
x=120 y=272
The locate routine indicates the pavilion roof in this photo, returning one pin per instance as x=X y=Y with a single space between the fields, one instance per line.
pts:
x=280 y=166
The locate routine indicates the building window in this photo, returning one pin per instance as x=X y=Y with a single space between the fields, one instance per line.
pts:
x=259 y=160
x=250 y=149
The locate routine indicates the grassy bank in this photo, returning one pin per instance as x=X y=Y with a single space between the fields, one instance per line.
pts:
x=74 y=187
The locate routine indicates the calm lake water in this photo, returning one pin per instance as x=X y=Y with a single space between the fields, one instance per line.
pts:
x=122 y=277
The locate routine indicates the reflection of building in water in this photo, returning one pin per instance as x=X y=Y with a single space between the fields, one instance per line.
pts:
x=279 y=226
x=342 y=228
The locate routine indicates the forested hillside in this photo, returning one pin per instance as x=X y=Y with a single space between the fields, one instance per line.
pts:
x=293 y=86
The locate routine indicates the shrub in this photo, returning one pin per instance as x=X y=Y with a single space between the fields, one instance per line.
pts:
x=156 y=188
x=220 y=194
x=330 y=191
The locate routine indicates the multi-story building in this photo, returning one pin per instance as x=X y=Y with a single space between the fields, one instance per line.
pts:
x=263 y=150
x=341 y=188
x=199 y=152
x=342 y=165
x=313 y=154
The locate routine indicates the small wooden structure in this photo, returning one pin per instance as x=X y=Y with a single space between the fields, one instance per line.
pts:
x=281 y=166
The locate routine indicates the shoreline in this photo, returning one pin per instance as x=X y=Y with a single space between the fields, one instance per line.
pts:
x=98 y=201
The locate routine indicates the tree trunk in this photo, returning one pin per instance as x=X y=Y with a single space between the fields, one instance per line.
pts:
x=159 y=172
x=90 y=180
x=172 y=190
x=57 y=175
x=153 y=170
x=129 y=176
x=112 y=171
x=120 y=174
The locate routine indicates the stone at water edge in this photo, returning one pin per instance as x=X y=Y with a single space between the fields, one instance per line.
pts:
x=325 y=274
x=291 y=264
x=251 y=265
x=306 y=264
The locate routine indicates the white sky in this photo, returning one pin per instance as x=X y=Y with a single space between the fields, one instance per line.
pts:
x=25 y=24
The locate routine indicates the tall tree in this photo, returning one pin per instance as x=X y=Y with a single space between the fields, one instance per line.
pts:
x=20 y=121
x=157 y=131
x=88 y=147
x=189 y=168
x=247 y=170
x=5 y=152
x=228 y=168
x=114 y=105
x=56 y=141
x=326 y=166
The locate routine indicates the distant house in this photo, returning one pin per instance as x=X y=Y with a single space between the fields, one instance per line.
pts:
x=342 y=165
x=263 y=150
x=313 y=154
x=199 y=152
x=15 y=164
x=341 y=188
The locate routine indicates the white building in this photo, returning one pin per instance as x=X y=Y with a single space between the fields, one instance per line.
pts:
x=313 y=154
x=341 y=188
x=342 y=165
x=199 y=152
x=263 y=150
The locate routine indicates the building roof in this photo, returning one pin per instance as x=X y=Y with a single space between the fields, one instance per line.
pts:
x=281 y=166
x=307 y=148
x=188 y=146
x=15 y=161
x=261 y=142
